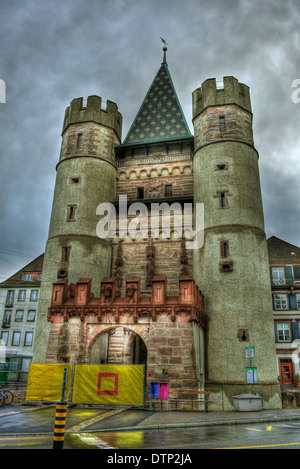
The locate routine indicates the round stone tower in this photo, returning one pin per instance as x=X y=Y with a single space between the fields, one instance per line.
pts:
x=232 y=267
x=86 y=177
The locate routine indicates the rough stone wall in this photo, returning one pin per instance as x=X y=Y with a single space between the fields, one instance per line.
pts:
x=236 y=284
x=167 y=261
x=154 y=179
x=96 y=140
x=170 y=346
x=238 y=125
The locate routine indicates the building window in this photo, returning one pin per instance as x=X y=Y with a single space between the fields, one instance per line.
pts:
x=222 y=200
x=224 y=248
x=34 y=295
x=79 y=140
x=226 y=266
x=28 y=339
x=71 y=212
x=281 y=301
x=75 y=180
x=16 y=338
x=297 y=273
x=22 y=295
x=222 y=195
x=65 y=253
x=28 y=277
x=168 y=190
x=283 y=332
x=25 y=364
x=278 y=275
x=4 y=337
x=140 y=192
x=31 y=316
x=10 y=298
x=220 y=166
x=222 y=124
x=19 y=316
x=298 y=300
x=6 y=319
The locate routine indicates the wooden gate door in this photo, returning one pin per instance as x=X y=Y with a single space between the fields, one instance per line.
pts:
x=286 y=371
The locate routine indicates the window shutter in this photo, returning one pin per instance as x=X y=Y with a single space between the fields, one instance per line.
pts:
x=273 y=302
x=295 y=330
x=297 y=272
x=275 y=330
x=293 y=303
x=289 y=275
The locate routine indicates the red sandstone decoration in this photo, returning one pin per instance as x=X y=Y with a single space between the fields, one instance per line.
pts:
x=183 y=258
x=119 y=263
x=77 y=300
x=150 y=263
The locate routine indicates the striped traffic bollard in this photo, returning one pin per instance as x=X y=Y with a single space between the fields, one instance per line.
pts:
x=60 y=425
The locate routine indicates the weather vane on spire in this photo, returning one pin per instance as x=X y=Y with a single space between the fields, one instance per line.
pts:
x=165 y=50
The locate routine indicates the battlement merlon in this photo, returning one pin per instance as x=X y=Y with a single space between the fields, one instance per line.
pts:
x=93 y=112
x=233 y=92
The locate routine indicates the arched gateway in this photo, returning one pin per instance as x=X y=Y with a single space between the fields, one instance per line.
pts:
x=118 y=345
x=166 y=334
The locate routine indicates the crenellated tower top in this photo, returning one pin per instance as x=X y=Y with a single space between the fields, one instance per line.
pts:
x=233 y=92
x=93 y=112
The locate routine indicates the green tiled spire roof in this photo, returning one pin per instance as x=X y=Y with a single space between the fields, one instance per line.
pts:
x=160 y=116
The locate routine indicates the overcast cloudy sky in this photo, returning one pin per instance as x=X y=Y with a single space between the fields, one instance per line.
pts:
x=56 y=50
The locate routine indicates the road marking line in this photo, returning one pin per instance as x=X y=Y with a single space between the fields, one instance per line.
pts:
x=261 y=446
x=254 y=429
x=86 y=423
x=14 y=437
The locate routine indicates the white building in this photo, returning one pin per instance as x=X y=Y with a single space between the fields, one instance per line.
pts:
x=19 y=297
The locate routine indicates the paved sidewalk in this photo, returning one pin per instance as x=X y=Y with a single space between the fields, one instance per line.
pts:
x=132 y=419
x=143 y=419
x=191 y=419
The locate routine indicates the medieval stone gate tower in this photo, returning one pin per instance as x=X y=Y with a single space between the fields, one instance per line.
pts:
x=191 y=311
x=232 y=267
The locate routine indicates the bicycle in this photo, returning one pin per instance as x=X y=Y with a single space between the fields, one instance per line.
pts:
x=6 y=397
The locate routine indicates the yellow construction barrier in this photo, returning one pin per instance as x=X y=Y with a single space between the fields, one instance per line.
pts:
x=109 y=384
x=45 y=381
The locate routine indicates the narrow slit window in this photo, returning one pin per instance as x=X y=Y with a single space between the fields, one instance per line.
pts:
x=223 y=195
x=65 y=254
x=140 y=192
x=224 y=249
x=71 y=212
x=222 y=200
x=168 y=190
x=222 y=124
x=79 y=140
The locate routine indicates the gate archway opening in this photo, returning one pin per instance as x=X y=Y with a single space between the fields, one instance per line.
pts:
x=119 y=345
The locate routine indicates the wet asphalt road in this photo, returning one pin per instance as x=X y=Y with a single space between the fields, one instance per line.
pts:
x=41 y=420
x=88 y=429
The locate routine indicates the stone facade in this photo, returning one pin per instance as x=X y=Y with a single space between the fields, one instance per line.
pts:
x=166 y=325
x=99 y=298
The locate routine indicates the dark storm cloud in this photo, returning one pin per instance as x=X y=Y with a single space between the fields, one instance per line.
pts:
x=52 y=52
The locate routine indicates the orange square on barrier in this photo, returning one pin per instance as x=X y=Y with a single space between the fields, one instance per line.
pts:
x=108 y=384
